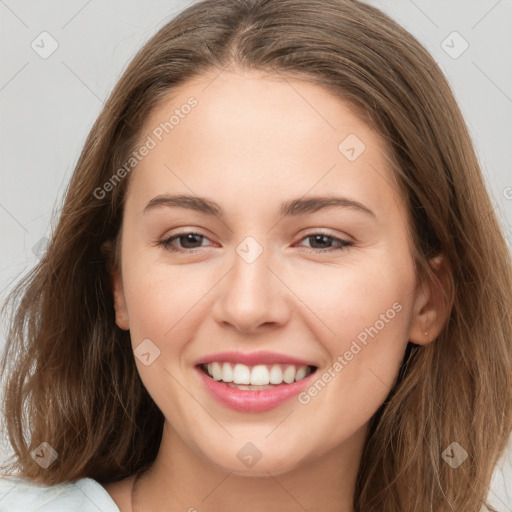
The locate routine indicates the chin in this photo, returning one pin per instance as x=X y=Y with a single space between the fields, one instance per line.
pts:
x=271 y=463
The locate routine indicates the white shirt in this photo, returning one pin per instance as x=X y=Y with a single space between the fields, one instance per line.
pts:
x=83 y=495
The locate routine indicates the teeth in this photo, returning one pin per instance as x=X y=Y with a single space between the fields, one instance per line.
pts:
x=249 y=388
x=259 y=375
x=227 y=372
x=216 y=371
x=241 y=374
x=276 y=374
x=302 y=371
x=289 y=374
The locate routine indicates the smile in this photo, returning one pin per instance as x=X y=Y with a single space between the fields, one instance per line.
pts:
x=255 y=388
x=260 y=376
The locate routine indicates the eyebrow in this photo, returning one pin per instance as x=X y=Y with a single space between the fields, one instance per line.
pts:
x=290 y=208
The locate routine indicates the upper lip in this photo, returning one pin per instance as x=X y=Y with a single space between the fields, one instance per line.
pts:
x=253 y=358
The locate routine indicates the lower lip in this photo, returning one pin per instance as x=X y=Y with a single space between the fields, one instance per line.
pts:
x=252 y=401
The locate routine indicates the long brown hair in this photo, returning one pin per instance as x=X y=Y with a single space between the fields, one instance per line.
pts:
x=71 y=379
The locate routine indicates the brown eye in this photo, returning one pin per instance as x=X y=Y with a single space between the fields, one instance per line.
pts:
x=191 y=242
x=188 y=242
x=324 y=242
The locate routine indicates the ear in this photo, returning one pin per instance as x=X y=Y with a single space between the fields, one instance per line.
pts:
x=116 y=286
x=432 y=304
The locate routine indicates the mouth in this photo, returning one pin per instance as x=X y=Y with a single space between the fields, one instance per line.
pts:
x=256 y=377
x=254 y=381
x=254 y=389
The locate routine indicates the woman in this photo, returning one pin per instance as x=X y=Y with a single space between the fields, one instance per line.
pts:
x=370 y=373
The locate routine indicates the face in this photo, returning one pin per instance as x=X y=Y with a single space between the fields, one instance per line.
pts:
x=270 y=267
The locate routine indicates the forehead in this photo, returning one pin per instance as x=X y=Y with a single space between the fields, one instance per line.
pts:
x=255 y=101
x=260 y=135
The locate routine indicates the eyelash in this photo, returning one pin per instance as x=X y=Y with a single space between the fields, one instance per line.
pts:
x=166 y=244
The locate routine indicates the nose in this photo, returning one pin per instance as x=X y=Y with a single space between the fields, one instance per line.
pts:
x=252 y=296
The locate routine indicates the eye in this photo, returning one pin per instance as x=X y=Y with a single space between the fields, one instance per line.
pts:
x=322 y=239
x=190 y=238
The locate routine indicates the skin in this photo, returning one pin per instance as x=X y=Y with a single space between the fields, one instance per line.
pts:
x=253 y=142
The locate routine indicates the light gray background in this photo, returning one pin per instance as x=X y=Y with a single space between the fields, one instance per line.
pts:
x=49 y=105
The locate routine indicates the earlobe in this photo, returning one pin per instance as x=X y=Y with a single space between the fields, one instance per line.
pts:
x=432 y=304
x=116 y=284
x=119 y=301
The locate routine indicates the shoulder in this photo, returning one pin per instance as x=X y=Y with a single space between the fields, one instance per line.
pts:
x=84 y=495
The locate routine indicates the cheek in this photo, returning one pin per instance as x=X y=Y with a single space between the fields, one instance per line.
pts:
x=161 y=301
x=164 y=306
x=357 y=292
x=365 y=312
x=364 y=357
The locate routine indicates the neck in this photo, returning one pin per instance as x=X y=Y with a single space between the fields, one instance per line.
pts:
x=180 y=479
